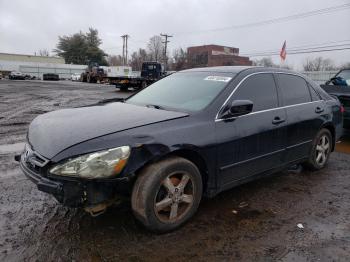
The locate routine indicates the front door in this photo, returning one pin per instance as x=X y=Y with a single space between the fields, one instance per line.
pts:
x=255 y=142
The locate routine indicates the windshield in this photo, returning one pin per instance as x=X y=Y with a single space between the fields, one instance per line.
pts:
x=187 y=91
x=149 y=67
x=345 y=75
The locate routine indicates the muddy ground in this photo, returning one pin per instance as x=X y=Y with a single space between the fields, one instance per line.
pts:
x=254 y=222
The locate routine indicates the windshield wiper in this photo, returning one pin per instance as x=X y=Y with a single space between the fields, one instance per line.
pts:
x=155 y=106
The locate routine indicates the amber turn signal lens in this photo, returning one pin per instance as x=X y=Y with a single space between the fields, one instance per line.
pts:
x=119 y=166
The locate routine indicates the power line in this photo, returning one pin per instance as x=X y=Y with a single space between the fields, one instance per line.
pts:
x=260 y=23
x=293 y=49
x=299 y=46
x=275 y=20
x=318 y=51
x=303 y=51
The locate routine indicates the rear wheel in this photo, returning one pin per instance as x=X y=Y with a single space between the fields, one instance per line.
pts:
x=321 y=149
x=83 y=78
x=88 y=78
x=167 y=194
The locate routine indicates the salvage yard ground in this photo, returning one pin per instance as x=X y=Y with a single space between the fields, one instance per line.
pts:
x=254 y=222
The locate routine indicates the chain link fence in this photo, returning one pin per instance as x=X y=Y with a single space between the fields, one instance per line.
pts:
x=320 y=77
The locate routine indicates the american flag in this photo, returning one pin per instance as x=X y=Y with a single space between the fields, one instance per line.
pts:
x=283 y=52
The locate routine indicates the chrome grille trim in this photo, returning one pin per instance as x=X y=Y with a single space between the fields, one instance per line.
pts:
x=32 y=157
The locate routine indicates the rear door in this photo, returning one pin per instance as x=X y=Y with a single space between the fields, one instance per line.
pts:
x=304 y=114
x=255 y=142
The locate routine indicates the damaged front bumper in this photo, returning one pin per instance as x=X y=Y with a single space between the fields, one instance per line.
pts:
x=92 y=195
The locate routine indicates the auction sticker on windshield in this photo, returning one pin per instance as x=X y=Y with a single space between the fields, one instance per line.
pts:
x=218 y=78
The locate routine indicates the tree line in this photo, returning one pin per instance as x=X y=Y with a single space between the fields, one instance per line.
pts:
x=83 y=48
x=309 y=64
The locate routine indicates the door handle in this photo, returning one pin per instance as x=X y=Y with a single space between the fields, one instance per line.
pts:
x=277 y=120
x=319 y=110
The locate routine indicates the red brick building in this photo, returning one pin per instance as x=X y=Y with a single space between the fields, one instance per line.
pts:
x=215 y=55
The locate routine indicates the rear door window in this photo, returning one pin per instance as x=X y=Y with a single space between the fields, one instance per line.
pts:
x=260 y=89
x=294 y=89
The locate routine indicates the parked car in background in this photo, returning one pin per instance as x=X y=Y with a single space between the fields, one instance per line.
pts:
x=75 y=77
x=339 y=86
x=0 y=75
x=29 y=77
x=51 y=77
x=194 y=133
x=15 y=75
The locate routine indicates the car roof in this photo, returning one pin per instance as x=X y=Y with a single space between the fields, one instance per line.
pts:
x=237 y=69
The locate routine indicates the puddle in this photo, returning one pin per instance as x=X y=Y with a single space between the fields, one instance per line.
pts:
x=10 y=173
x=11 y=148
x=344 y=145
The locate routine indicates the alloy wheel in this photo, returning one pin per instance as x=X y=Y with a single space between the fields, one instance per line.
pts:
x=174 y=197
x=322 y=150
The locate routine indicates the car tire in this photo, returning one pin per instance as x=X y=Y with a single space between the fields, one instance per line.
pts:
x=321 y=149
x=167 y=194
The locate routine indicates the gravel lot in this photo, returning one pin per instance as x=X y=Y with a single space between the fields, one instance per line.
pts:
x=254 y=222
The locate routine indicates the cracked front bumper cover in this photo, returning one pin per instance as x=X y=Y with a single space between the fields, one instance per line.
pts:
x=46 y=185
x=76 y=192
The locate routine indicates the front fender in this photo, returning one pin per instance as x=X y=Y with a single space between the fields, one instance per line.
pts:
x=150 y=153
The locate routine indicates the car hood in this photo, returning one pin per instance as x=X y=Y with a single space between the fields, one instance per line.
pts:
x=56 y=131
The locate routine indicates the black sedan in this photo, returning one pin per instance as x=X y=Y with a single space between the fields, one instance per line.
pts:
x=192 y=134
x=339 y=86
x=51 y=77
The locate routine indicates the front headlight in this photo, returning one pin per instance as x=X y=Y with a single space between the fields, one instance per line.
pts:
x=101 y=164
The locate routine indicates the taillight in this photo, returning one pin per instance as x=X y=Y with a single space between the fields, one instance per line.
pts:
x=342 y=109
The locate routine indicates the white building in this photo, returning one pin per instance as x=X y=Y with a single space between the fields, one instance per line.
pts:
x=37 y=65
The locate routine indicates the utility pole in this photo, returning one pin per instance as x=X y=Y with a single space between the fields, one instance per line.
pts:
x=123 y=36
x=125 y=48
x=165 y=48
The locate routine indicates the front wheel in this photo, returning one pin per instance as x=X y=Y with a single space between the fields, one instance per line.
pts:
x=321 y=149
x=167 y=194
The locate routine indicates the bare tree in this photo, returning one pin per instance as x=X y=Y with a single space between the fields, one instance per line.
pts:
x=137 y=58
x=115 y=60
x=345 y=66
x=179 y=59
x=318 y=64
x=155 y=48
x=265 y=61
x=43 y=52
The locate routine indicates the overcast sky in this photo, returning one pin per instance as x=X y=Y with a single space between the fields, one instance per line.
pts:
x=28 y=26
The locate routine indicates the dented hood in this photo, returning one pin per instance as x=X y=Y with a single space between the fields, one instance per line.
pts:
x=53 y=132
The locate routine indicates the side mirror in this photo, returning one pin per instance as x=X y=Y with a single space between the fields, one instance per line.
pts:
x=239 y=108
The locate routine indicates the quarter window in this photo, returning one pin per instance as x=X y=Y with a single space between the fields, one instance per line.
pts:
x=260 y=89
x=314 y=95
x=294 y=89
